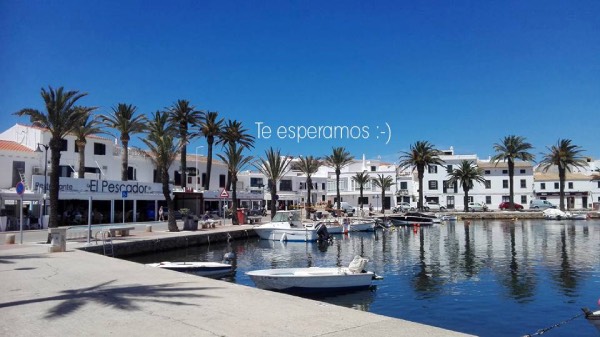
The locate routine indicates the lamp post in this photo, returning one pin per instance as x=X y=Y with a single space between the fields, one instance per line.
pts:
x=45 y=176
x=197 y=147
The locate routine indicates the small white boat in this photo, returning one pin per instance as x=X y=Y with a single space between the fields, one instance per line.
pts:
x=593 y=317
x=287 y=226
x=577 y=216
x=554 y=214
x=209 y=269
x=362 y=225
x=315 y=279
x=347 y=225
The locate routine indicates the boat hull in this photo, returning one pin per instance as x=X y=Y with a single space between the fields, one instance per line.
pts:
x=287 y=234
x=311 y=280
x=208 y=269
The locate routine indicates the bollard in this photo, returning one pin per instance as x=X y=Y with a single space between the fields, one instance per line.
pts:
x=59 y=240
x=148 y=228
x=10 y=239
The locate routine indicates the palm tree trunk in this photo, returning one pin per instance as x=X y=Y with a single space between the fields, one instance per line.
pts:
x=183 y=166
x=308 y=201
x=209 y=154
x=172 y=223
x=562 y=178
x=420 y=173
x=54 y=182
x=234 y=218
x=337 y=186
x=466 y=199
x=382 y=198
x=273 y=201
x=511 y=175
x=81 y=171
x=124 y=160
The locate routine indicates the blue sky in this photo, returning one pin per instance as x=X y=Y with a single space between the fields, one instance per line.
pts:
x=462 y=74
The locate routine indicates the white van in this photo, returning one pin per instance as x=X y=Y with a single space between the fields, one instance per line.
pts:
x=345 y=207
x=540 y=204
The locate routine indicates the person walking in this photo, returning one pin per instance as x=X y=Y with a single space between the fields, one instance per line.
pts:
x=161 y=214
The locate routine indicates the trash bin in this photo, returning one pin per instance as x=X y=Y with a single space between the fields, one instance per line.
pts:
x=241 y=215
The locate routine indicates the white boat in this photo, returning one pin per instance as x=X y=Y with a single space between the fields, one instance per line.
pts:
x=362 y=225
x=554 y=214
x=315 y=279
x=210 y=269
x=413 y=218
x=593 y=317
x=576 y=216
x=287 y=226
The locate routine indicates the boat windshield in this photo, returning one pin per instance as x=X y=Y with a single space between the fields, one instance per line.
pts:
x=286 y=216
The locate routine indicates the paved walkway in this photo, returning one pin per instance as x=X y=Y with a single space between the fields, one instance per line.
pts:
x=77 y=293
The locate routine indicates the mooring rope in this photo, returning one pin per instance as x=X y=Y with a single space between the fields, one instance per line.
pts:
x=544 y=330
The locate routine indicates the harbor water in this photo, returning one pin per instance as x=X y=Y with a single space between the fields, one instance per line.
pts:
x=487 y=278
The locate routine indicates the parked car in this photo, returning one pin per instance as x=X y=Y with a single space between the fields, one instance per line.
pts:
x=477 y=207
x=541 y=204
x=433 y=206
x=506 y=205
x=403 y=207
x=257 y=211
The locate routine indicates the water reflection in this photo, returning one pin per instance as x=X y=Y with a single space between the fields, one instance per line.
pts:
x=509 y=273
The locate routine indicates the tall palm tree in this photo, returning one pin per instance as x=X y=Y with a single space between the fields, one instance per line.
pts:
x=564 y=155
x=60 y=119
x=338 y=159
x=182 y=114
x=421 y=154
x=274 y=166
x=163 y=147
x=123 y=119
x=235 y=163
x=510 y=149
x=362 y=179
x=210 y=127
x=466 y=173
x=88 y=126
x=234 y=133
x=383 y=182
x=308 y=165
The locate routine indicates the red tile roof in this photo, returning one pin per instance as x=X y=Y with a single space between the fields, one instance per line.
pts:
x=7 y=145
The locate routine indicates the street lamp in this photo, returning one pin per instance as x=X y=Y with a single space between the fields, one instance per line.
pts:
x=38 y=150
x=197 y=147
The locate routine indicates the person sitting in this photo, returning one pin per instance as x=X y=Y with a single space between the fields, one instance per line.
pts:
x=206 y=216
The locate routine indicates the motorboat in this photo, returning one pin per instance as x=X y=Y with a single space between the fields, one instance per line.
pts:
x=362 y=225
x=576 y=216
x=448 y=218
x=413 y=218
x=208 y=269
x=554 y=214
x=347 y=225
x=315 y=279
x=288 y=226
x=593 y=317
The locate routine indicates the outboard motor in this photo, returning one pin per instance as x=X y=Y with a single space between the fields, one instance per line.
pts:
x=322 y=233
x=228 y=257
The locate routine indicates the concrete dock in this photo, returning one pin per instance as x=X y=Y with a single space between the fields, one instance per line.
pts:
x=78 y=293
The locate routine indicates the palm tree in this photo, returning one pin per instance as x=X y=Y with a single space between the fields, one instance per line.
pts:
x=234 y=133
x=338 y=159
x=422 y=154
x=87 y=127
x=384 y=183
x=210 y=128
x=182 y=114
x=60 y=119
x=123 y=120
x=235 y=162
x=361 y=178
x=465 y=174
x=564 y=155
x=274 y=166
x=163 y=148
x=309 y=166
x=510 y=149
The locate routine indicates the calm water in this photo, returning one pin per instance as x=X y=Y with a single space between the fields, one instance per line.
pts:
x=489 y=278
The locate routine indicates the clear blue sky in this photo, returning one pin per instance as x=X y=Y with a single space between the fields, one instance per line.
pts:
x=462 y=74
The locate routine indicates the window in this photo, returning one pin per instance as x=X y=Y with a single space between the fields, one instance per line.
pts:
x=64 y=145
x=373 y=168
x=404 y=185
x=302 y=186
x=449 y=168
x=363 y=200
x=131 y=173
x=556 y=186
x=523 y=199
x=488 y=184
x=203 y=181
x=470 y=199
x=523 y=183
x=570 y=185
x=432 y=169
x=504 y=183
x=504 y=171
x=433 y=185
x=542 y=186
x=221 y=180
x=285 y=185
x=488 y=199
x=487 y=172
x=522 y=171
x=99 y=149
x=256 y=182
x=323 y=187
